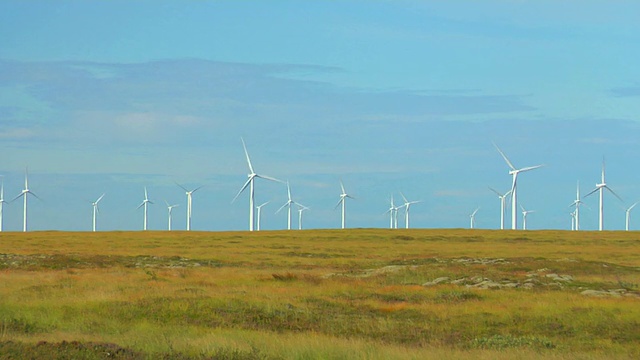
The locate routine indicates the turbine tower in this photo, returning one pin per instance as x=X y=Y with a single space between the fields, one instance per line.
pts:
x=1 y=202
x=170 y=209
x=407 y=205
x=96 y=211
x=473 y=218
x=259 y=208
x=503 y=205
x=145 y=203
x=288 y=205
x=600 y=187
x=189 y=202
x=577 y=203
x=343 y=197
x=573 y=220
x=627 y=211
x=524 y=217
x=301 y=209
x=25 y=193
x=252 y=176
x=514 y=198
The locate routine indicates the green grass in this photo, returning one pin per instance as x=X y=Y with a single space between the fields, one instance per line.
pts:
x=353 y=294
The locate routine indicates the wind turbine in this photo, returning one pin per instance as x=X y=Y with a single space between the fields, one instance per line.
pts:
x=145 y=203
x=627 y=211
x=252 y=175
x=96 y=211
x=189 y=202
x=393 y=213
x=473 y=218
x=1 y=202
x=407 y=205
x=343 y=197
x=259 y=208
x=288 y=205
x=170 y=208
x=600 y=187
x=503 y=205
x=573 y=220
x=25 y=194
x=300 y=210
x=577 y=202
x=514 y=198
x=524 y=217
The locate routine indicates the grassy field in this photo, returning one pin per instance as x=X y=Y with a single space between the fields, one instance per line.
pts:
x=327 y=294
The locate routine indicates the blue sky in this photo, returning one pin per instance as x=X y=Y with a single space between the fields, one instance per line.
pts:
x=387 y=96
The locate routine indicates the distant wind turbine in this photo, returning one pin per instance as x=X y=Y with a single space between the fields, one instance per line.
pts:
x=393 y=213
x=627 y=211
x=473 y=218
x=301 y=208
x=189 y=202
x=96 y=211
x=577 y=203
x=25 y=194
x=343 y=197
x=1 y=202
x=514 y=198
x=503 y=205
x=252 y=175
x=407 y=205
x=288 y=205
x=259 y=208
x=145 y=203
x=573 y=220
x=524 y=217
x=170 y=209
x=600 y=187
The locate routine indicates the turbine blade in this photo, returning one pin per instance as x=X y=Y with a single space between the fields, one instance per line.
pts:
x=196 y=189
x=530 y=168
x=37 y=197
x=591 y=192
x=283 y=206
x=613 y=192
x=100 y=198
x=632 y=206
x=17 y=197
x=242 y=189
x=338 y=204
x=505 y=157
x=269 y=178
x=495 y=191
x=247 y=155
x=342 y=187
x=182 y=187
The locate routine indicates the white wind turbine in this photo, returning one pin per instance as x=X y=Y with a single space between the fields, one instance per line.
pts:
x=407 y=205
x=145 y=203
x=600 y=187
x=1 y=202
x=503 y=205
x=343 y=197
x=25 y=192
x=473 y=218
x=393 y=213
x=514 y=198
x=170 y=209
x=573 y=220
x=96 y=211
x=627 y=211
x=524 y=216
x=577 y=203
x=189 y=202
x=252 y=175
x=301 y=208
x=288 y=205
x=259 y=208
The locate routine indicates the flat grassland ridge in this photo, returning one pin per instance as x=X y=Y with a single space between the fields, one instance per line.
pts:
x=320 y=294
